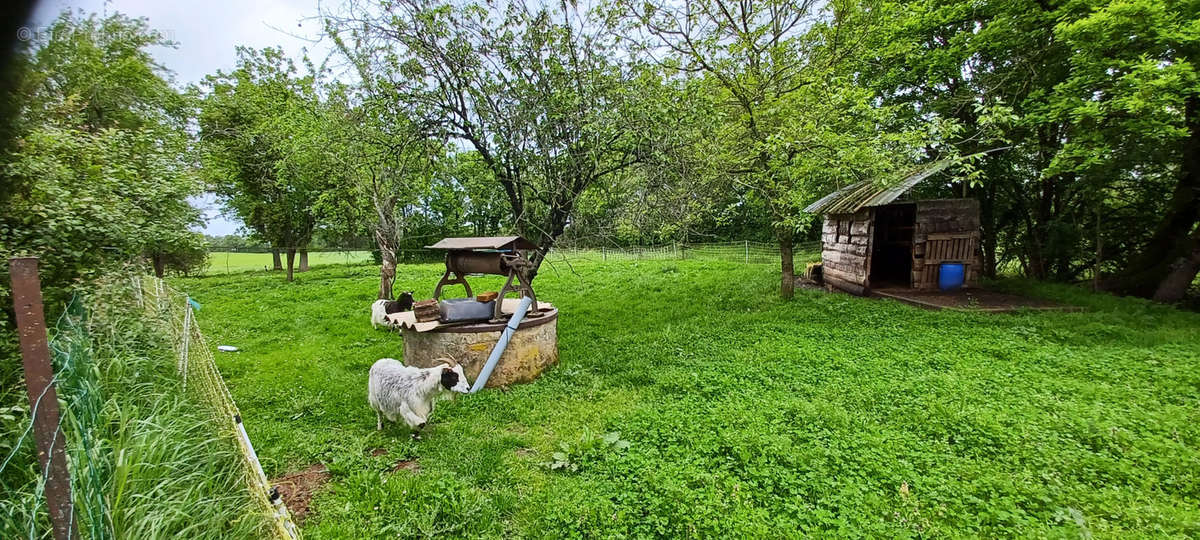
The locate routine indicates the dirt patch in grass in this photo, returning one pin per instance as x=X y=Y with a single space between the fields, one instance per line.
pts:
x=298 y=488
x=376 y=452
x=970 y=300
x=808 y=284
x=409 y=465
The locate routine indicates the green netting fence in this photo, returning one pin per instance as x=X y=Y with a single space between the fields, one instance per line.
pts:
x=199 y=374
x=103 y=465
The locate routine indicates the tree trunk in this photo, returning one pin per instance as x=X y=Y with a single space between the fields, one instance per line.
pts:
x=787 y=265
x=291 y=263
x=385 y=240
x=160 y=265
x=387 y=275
x=1151 y=270
x=1182 y=272
x=277 y=263
x=303 y=260
x=987 y=218
x=556 y=224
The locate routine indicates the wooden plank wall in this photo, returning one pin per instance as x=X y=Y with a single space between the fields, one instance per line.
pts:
x=846 y=250
x=946 y=230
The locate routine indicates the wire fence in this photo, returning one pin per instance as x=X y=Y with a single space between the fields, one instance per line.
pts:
x=738 y=252
x=97 y=470
x=198 y=371
x=72 y=380
x=748 y=252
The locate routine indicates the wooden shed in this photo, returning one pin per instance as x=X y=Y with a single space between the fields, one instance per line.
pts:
x=871 y=239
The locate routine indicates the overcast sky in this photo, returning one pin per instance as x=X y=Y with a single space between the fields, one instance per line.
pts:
x=207 y=32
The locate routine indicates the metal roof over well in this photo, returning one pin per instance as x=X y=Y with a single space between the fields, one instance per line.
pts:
x=483 y=242
x=855 y=197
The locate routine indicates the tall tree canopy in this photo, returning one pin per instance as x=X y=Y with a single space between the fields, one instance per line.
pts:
x=100 y=171
x=789 y=121
x=253 y=124
x=1100 y=176
x=540 y=94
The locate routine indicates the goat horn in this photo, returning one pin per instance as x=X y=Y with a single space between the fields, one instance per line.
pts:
x=447 y=360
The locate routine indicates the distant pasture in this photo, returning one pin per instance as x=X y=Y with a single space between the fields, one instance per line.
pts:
x=229 y=262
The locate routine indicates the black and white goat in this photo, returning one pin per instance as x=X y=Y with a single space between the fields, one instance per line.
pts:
x=380 y=309
x=379 y=313
x=404 y=393
x=403 y=303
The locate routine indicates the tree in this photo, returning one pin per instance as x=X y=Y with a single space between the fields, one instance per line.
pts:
x=94 y=179
x=484 y=208
x=100 y=173
x=540 y=94
x=1133 y=100
x=789 y=113
x=1100 y=126
x=387 y=161
x=264 y=173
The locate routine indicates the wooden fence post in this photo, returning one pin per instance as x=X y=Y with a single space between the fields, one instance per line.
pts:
x=43 y=400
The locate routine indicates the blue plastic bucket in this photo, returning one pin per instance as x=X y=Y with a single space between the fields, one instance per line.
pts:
x=951 y=276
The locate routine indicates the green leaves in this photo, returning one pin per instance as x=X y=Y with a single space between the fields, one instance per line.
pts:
x=263 y=148
x=541 y=94
x=591 y=448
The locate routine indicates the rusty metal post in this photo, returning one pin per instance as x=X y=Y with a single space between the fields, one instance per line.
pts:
x=43 y=400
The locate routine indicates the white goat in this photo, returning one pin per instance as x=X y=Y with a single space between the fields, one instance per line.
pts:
x=379 y=313
x=396 y=390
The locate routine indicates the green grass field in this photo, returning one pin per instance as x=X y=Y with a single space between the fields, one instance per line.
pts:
x=745 y=416
x=224 y=262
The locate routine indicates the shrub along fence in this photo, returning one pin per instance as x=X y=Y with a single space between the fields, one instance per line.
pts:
x=153 y=450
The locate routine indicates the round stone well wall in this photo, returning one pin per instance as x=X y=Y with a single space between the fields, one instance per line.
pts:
x=532 y=349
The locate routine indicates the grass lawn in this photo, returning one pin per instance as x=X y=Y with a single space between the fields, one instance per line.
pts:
x=224 y=262
x=746 y=416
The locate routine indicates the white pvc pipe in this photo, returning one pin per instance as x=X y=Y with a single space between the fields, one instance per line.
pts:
x=505 y=336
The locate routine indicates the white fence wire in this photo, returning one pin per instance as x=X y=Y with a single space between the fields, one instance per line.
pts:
x=198 y=370
x=747 y=252
x=738 y=252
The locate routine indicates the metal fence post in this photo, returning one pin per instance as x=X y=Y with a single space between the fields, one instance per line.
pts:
x=747 y=251
x=43 y=399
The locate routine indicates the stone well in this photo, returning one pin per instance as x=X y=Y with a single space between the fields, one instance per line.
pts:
x=533 y=348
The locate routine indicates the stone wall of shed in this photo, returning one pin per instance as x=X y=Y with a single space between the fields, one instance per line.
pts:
x=846 y=250
x=943 y=218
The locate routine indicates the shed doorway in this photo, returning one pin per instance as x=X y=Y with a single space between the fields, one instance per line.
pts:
x=892 y=246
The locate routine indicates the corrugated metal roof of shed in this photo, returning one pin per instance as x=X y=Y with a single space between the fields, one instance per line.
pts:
x=855 y=197
x=483 y=242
